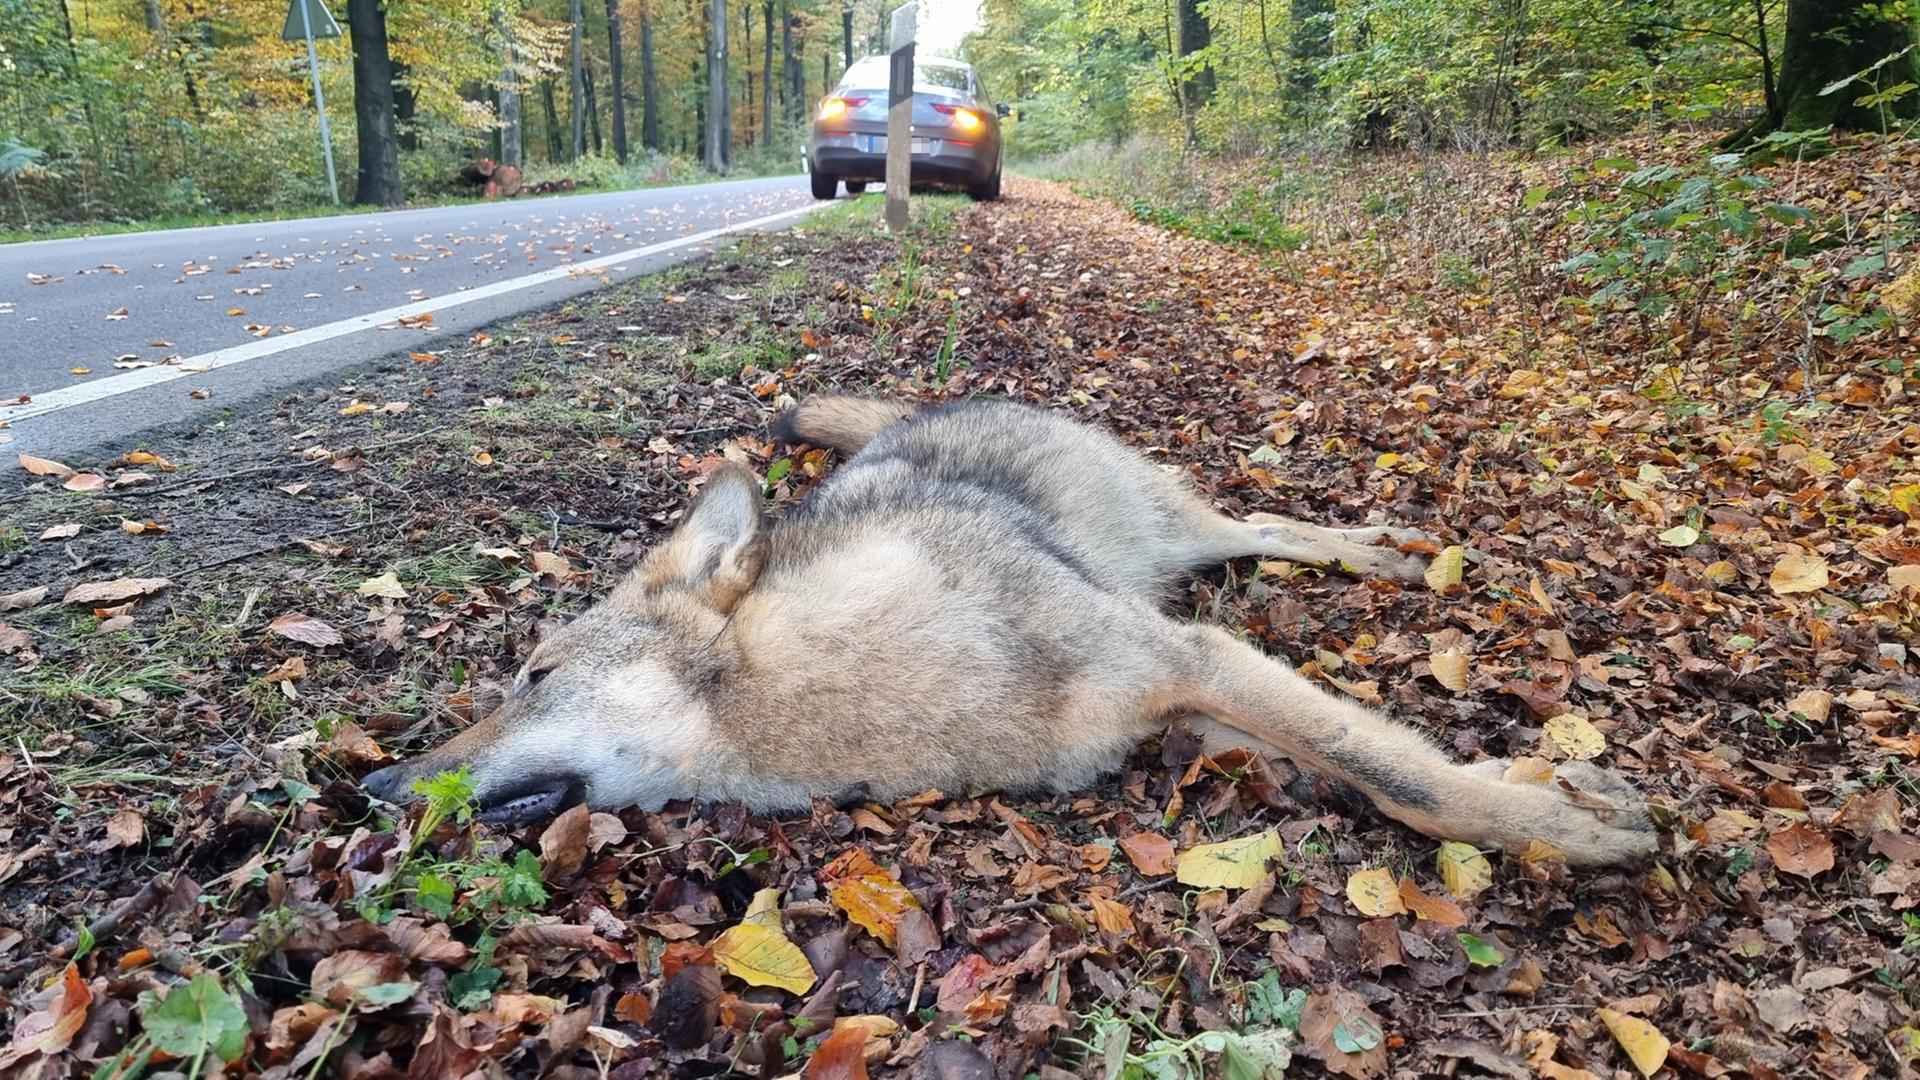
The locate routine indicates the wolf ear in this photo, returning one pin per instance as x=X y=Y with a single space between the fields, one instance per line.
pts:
x=718 y=547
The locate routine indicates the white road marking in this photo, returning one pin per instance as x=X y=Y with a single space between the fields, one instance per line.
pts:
x=141 y=378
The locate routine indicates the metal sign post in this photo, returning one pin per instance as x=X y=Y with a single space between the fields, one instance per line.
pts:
x=900 y=115
x=306 y=20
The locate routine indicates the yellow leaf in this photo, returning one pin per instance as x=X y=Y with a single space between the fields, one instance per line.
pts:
x=357 y=408
x=1374 y=893
x=1450 y=669
x=1644 y=1044
x=761 y=957
x=387 y=584
x=483 y=458
x=1906 y=499
x=1230 y=864
x=1386 y=461
x=1463 y=870
x=1529 y=770
x=1575 y=737
x=1798 y=572
x=875 y=1025
x=1447 y=568
x=1539 y=594
x=764 y=910
x=1680 y=536
x=1723 y=572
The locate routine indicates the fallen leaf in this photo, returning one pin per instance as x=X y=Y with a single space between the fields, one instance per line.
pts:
x=1800 y=849
x=1374 y=892
x=85 y=481
x=387 y=585
x=126 y=828
x=306 y=629
x=52 y=1030
x=1230 y=864
x=1643 y=1043
x=1431 y=908
x=1464 y=872
x=1449 y=669
x=841 y=1056
x=112 y=592
x=25 y=598
x=40 y=466
x=1574 y=737
x=64 y=531
x=760 y=956
x=1447 y=569
x=1798 y=572
x=1680 y=536
x=1149 y=852
x=868 y=894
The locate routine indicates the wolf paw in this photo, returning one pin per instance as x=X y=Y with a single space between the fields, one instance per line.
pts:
x=1592 y=814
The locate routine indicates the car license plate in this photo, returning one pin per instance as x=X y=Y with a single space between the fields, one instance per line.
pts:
x=877 y=144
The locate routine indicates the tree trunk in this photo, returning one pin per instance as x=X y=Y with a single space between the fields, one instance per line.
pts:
x=405 y=107
x=846 y=35
x=576 y=101
x=649 y=88
x=791 y=71
x=719 y=112
x=617 y=73
x=766 y=76
x=747 y=114
x=379 y=182
x=593 y=108
x=156 y=22
x=511 y=150
x=699 y=113
x=1310 y=41
x=826 y=72
x=1191 y=34
x=555 y=148
x=1829 y=40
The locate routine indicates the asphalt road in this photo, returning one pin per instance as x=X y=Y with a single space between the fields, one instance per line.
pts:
x=104 y=336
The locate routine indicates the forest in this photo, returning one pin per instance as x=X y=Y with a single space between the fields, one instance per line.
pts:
x=136 y=109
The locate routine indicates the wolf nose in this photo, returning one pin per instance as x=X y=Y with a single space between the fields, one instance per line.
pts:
x=384 y=784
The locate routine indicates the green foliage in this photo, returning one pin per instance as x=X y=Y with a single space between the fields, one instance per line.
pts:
x=195 y=1019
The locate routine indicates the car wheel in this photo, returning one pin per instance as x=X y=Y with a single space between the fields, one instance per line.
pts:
x=856 y=187
x=989 y=190
x=823 y=186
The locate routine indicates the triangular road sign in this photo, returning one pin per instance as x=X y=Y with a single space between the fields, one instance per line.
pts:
x=317 y=13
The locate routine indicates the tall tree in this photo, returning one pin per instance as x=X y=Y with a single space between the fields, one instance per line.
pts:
x=577 y=101
x=616 y=72
x=791 y=69
x=846 y=35
x=649 y=84
x=555 y=148
x=767 y=75
x=719 y=113
x=511 y=151
x=1192 y=34
x=1829 y=40
x=379 y=182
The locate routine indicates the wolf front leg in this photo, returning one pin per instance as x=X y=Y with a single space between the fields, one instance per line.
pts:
x=1397 y=767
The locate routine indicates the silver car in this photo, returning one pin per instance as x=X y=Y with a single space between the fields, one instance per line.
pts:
x=956 y=130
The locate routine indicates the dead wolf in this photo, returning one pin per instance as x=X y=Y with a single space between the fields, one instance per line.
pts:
x=971 y=601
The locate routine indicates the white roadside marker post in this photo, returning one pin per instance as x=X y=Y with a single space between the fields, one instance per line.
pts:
x=900 y=115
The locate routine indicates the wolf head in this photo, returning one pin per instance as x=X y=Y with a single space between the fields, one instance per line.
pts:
x=616 y=706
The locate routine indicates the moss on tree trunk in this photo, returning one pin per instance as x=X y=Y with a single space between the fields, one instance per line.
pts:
x=1828 y=40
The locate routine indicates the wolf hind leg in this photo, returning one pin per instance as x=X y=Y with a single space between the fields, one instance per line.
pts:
x=1217 y=538
x=1403 y=773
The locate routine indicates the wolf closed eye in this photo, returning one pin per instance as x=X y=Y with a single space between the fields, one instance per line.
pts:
x=970 y=601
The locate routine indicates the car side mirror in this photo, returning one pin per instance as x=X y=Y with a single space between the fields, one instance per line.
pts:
x=1003 y=110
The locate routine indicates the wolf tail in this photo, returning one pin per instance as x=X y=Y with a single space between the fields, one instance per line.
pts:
x=841 y=421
